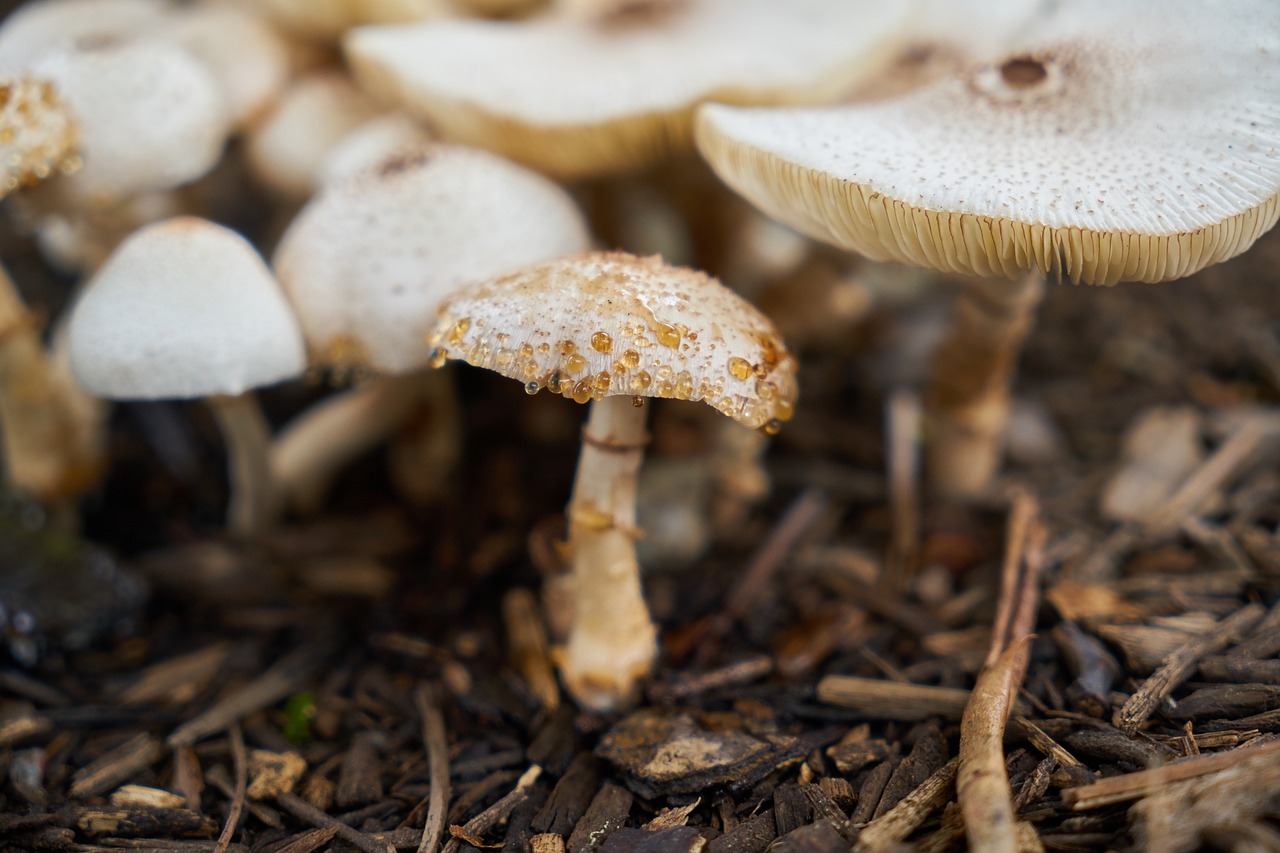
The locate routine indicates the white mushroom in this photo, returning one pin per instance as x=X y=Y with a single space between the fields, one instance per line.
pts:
x=612 y=329
x=573 y=95
x=1103 y=148
x=37 y=28
x=186 y=308
x=368 y=260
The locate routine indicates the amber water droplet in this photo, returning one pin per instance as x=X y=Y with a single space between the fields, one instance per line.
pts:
x=641 y=381
x=631 y=359
x=574 y=363
x=544 y=347
x=567 y=347
x=684 y=385
x=785 y=410
x=603 y=381
x=526 y=351
x=504 y=357
x=739 y=368
x=459 y=330
x=667 y=335
x=582 y=391
x=638 y=402
x=602 y=342
x=532 y=388
x=773 y=426
x=437 y=358
x=666 y=389
x=553 y=384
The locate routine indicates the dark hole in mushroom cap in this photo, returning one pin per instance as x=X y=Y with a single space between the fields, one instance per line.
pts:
x=638 y=14
x=1022 y=72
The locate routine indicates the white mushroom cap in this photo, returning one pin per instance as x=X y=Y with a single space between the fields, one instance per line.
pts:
x=326 y=20
x=248 y=58
x=608 y=324
x=34 y=29
x=184 y=308
x=371 y=143
x=369 y=258
x=1105 y=149
x=287 y=149
x=575 y=96
x=37 y=133
x=151 y=116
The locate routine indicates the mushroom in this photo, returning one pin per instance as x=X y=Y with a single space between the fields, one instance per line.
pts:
x=35 y=29
x=367 y=261
x=1100 y=150
x=612 y=329
x=575 y=96
x=186 y=308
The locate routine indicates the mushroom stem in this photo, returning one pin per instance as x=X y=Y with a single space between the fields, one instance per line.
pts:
x=968 y=398
x=612 y=643
x=309 y=452
x=255 y=500
x=52 y=435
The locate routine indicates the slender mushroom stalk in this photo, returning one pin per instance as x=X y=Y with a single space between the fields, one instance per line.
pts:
x=612 y=329
x=968 y=398
x=183 y=309
x=613 y=642
x=1109 y=143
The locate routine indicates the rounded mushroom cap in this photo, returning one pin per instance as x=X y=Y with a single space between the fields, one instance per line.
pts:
x=184 y=308
x=371 y=143
x=151 y=116
x=608 y=323
x=37 y=133
x=1104 y=149
x=370 y=257
x=576 y=96
x=34 y=29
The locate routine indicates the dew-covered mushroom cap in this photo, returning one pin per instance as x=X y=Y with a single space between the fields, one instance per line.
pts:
x=368 y=260
x=37 y=133
x=575 y=96
x=1118 y=143
x=608 y=324
x=183 y=308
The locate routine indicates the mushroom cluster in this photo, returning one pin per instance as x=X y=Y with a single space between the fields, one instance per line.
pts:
x=398 y=162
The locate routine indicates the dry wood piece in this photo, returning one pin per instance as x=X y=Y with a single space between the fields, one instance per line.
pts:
x=892 y=700
x=927 y=756
x=140 y=796
x=495 y=815
x=819 y=837
x=117 y=766
x=305 y=842
x=303 y=810
x=360 y=779
x=142 y=823
x=546 y=842
x=752 y=835
x=1131 y=786
x=903 y=418
x=241 y=762
x=673 y=839
x=893 y=827
x=1161 y=448
x=1227 y=701
x=528 y=647
x=791 y=808
x=177 y=678
x=873 y=787
x=608 y=811
x=688 y=685
x=437 y=746
x=1181 y=664
x=282 y=679
x=274 y=773
x=19 y=720
x=570 y=797
x=1264 y=641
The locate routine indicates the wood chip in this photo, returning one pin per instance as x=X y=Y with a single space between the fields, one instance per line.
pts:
x=360 y=776
x=274 y=773
x=893 y=827
x=436 y=744
x=117 y=766
x=607 y=812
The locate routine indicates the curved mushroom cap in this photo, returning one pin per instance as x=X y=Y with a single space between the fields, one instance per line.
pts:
x=184 y=308
x=326 y=20
x=370 y=257
x=37 y=133
x=35 y=29
x=576 y=96
x=371 y=143
x=151 y=116
x=1105 y=149
x=607 y=323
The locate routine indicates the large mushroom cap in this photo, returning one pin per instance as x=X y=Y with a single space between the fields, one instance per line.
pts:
x=1120 y=142
x=183 y=308
x=605 y=324
x=370 y=257
x=37 y=133
x=34 y=29
x=574 y=95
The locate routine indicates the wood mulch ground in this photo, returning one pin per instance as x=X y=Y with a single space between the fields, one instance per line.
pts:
x=378 y=677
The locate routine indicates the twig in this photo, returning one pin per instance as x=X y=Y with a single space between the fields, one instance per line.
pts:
x=495 y=814
x=1181 y=664
x=892 y=700
x=241 y=763
x=902 y=423
x=303 y=810
x=527 y=644
x=437 y=748
x=1019 y=576
x=893 y=827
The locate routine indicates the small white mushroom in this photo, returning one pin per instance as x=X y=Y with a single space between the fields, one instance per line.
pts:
x=186 y=308
x=37 y=28
x=613 y=329
x=371 y=143
x=151 y=117
x=369 y=258
x=575 y=95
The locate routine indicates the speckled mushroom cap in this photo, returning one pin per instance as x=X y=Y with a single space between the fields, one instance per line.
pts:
x=37 y=133
x=34 y=29
x=151 y=116
x=603 y=324
x=575 y=96
x=183 y=308
x=370 y=257
x=1104 y=149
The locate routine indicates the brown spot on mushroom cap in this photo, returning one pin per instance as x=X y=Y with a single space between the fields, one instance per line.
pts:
x=639 y=303
x=1101 y=149
x=37 y=133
